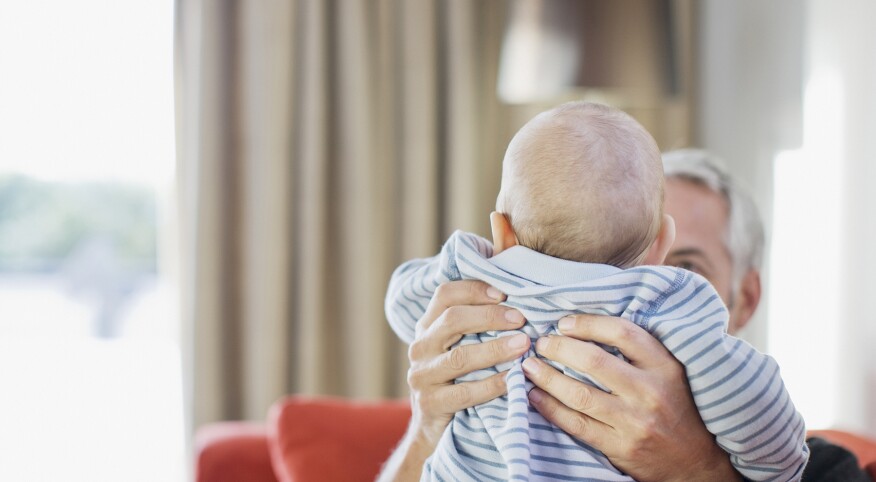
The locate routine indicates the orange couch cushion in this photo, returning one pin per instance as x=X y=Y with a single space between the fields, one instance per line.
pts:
x=233 y=452
x=332 y=438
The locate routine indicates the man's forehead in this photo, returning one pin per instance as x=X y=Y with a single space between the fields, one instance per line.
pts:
x=701 y=217
x=694 y=199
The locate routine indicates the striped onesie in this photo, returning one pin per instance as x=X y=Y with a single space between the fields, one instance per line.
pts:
x=737 y=390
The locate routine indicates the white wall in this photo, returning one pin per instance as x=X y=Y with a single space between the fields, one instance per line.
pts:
x=749 y=83
x=842 y=44
x=794 y=81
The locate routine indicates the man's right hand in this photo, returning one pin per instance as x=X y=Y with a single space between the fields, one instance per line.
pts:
x=457 y=308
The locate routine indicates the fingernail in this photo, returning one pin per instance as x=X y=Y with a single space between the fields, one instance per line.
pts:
x=540 y=345
x=566 y=323
x=514 y=317
x=530 y=366
x=535 y=395
x=517 y=341
x=494 y=293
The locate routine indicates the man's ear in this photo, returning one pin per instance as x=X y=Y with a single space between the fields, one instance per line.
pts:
x=503 y=234
x=745 y=301
x=662 y=243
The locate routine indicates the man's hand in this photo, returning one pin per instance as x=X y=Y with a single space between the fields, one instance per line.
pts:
x=648 y=426
x=458 y=308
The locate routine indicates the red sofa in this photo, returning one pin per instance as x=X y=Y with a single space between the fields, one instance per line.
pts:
x=305 y=439
x=335 y=439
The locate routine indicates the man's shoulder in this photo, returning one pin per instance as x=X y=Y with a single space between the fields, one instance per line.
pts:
x=829 y=462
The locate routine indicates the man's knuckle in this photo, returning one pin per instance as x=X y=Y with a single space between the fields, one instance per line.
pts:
x=461 y=395
x=475 y=291
x=598 y=360
x=655 y=398
x=457 y=358
x=415 y=350
x=497 y=350
x=452 y=316
x=627 y=333
x=495 y=313
x=441 y=292
x=452 y=320
x=650 y=429
x=497 y=384
x=415 y=378
x=577 y=425
x=582 y=399
x=645 y=430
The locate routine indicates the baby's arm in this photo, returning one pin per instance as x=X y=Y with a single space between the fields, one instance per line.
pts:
x=412 y=286
x=751 y=413
x=404 y=303
x=738 y=390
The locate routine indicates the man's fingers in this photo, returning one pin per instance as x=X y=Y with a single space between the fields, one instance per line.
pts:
x=465 y=359
x=460 y=320
x=455 y=397
x=634 y=342
x=572 y=393
x=457 y=293
x=588 y=358
x=576 y=424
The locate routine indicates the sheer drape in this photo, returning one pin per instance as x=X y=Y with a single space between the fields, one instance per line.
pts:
x=320 y=143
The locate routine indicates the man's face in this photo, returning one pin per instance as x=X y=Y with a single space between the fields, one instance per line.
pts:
x=700 y=222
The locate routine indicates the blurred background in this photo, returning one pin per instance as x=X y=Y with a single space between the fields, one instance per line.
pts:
x=201 y=202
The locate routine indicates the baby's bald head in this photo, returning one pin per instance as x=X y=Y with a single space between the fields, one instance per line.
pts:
x=584 y=182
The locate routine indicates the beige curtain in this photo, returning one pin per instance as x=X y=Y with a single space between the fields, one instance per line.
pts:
x=321 y=143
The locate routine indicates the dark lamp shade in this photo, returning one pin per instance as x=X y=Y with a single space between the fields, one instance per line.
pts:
x=620 y=47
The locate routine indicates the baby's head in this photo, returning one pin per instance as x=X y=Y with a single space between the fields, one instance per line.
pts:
x=584 y=182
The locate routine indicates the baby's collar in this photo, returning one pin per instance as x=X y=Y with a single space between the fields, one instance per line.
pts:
x=547 y=270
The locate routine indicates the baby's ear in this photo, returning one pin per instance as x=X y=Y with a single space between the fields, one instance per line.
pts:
x=661 y=245
x=504 y=236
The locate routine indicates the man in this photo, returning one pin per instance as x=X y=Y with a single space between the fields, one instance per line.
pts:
x=719 y=233
x=648 y=425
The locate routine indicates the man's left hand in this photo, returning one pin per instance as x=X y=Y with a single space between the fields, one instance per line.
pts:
x=648 y=426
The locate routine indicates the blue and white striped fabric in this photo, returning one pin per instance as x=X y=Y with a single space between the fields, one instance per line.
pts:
x=738 y=391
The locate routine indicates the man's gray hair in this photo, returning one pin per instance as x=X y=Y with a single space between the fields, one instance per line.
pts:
x=744 y=236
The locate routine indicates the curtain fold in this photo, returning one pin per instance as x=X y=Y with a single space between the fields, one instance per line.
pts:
x=321 y=143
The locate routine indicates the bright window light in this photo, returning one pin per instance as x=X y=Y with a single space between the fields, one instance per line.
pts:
x=87 y=89
x=805 y=257
x=91 y=373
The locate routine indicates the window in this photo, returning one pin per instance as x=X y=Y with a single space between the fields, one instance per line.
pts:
x=806 y=280
x=88 y=324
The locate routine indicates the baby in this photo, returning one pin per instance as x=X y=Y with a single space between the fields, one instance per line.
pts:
x=579 y=221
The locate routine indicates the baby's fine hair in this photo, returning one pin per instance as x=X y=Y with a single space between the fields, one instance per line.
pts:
x=584 y=182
